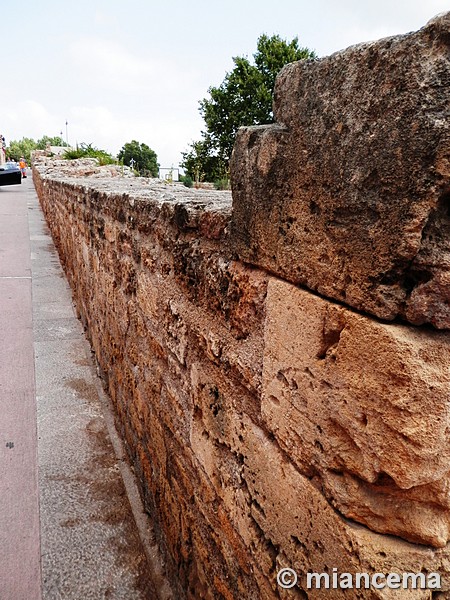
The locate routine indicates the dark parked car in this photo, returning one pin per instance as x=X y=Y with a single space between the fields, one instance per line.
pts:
x=10 y=174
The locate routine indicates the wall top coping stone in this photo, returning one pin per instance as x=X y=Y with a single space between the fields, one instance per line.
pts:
x=109 y=179
x=207 y=211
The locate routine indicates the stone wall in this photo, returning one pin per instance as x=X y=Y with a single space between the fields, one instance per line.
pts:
x=274 y=415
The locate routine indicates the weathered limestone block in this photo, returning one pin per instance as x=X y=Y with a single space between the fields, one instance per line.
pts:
x=364 y=407
x=349 y=192
x=309 y=537
x=282 y=515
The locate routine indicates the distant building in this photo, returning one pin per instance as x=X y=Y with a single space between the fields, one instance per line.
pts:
x=58 y=150
x=171 y=174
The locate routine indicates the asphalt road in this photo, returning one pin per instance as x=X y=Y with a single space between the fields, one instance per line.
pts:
x=67 y=528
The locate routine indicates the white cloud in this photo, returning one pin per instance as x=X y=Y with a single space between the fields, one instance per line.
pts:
x=112 y=67
x=107 y=63
x=120 y=95
x=31 y=117
x=106 y=19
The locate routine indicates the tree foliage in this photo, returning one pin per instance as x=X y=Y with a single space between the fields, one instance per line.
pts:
x=145 y=160
x=46 y=141
x=202 y=163
x=19 y=148
x=25 y=146
x=243 y=98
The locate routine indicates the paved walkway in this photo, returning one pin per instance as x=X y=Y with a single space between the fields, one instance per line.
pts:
x=67 y=530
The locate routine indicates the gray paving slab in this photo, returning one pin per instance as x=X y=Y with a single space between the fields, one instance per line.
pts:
x=59 y=329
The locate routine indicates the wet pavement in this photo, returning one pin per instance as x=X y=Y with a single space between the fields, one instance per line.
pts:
x=67 y=527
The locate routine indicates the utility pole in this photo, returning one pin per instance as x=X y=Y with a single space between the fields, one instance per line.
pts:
x=67 y=135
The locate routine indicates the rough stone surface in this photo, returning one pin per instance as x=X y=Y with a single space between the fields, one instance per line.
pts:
x=363 y=407
x=348 y=193
x=268 y=427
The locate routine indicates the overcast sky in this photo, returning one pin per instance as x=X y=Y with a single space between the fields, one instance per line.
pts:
x=118 y=70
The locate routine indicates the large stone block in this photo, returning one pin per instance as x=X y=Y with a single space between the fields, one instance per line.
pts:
x=308 y=536
x=281 y=514
x=364 y=407
x=348 y=193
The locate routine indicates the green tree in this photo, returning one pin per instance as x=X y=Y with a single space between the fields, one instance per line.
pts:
x=45 y=141
x=202 y=162
x=243 y=98
x=145 y=160
x=19 y=148
x=25 y=146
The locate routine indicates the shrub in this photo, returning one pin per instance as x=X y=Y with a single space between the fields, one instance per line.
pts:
x=186 y=180
x=222 y=184
x=89 y=151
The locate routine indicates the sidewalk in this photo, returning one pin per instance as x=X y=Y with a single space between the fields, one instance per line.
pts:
x=65 y=512
x=19 y=516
